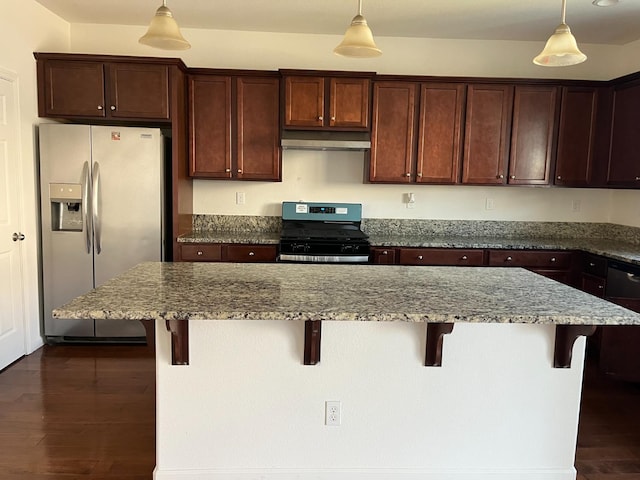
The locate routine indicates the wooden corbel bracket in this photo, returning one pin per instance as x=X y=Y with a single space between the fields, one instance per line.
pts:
x=312 y=334
x=566 y=336
x=435 y=334
x=179 y=341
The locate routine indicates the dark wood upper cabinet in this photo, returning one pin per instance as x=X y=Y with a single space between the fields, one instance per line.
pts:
x=234 y=127
x=316 y=102
x=392 y=154
x=533 y=130
x=624 y=159
x=138 y=90
x=486 y=138
x=439 y=133
x=210 y=126
x=70 y=88
x=576 y=136
x=257 y=128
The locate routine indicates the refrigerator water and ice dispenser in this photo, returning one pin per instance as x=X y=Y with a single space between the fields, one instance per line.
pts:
x=66 y=206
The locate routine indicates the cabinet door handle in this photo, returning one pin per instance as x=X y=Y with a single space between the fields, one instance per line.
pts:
x=200 y=253
x=559 y=177
x=637 y=179
x=239 y=171
x=419 y=174
x=419 y=257
x=513 y=177
x=384 y=252
x=321 y=118
x=333 y=119
x=251 y=254
x=464 y=257
x=227 y=170
x=407 y=174
x=600 y=287
x=500 y=176
x=113 y=107
x=591 y=264
x=508 y=259
x=100 y=107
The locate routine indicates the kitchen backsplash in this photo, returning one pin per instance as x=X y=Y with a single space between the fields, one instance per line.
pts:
x=436 y=228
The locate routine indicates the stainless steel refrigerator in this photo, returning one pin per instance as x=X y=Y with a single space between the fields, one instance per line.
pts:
x=101 y=214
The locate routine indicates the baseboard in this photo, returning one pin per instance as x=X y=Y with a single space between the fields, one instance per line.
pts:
x=366 y=474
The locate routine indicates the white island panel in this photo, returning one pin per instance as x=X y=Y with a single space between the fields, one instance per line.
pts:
x=246 y=408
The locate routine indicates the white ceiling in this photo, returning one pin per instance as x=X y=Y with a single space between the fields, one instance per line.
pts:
x=532 y=20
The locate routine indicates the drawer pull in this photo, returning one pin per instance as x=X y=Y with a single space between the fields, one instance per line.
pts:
x=591 y=264
x=464 y=257
x=200 y=253
x=251 y=254
x=385 y=252
x=419 y=257
x=100 y=107
x=600 y=287
x=508 y=259
x=559 y=177
x=553 y=259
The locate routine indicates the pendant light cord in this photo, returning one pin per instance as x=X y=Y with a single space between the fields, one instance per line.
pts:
x=360 y=7
x=564 y=11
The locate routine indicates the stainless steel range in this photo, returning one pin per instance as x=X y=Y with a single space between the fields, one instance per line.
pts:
x=323 y=233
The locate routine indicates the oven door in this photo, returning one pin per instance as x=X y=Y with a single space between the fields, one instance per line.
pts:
x=321 y=251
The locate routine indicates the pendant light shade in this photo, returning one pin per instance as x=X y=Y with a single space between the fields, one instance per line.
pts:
x=561 y=49
x=358 y=39
x=163 y=32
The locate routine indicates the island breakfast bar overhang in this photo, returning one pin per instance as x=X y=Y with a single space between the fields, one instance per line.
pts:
x=247 y=408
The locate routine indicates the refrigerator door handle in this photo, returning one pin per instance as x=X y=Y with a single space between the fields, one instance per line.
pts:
x=85 y=205
x=95 y=206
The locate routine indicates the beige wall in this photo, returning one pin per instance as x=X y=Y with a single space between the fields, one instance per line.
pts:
x=26 y=27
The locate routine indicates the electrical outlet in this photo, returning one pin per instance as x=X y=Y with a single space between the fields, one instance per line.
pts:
x=576 y=205
x=239 y=198
x=489 y=204
x=332 y=413
x=410 y=199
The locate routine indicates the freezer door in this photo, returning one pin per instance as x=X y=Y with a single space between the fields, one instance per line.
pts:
x=127 y=166
x=67 y=264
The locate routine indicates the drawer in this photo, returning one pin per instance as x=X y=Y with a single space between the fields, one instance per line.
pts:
x=594 y=265
x=545 y=259
x=595 y=285
x=201 y=253
x=251 y=253
x=383 y=256
x=441 y=256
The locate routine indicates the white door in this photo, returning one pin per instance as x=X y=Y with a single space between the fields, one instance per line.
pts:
x=12 y=327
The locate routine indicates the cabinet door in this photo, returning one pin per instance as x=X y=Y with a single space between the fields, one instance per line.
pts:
x=257 y=132
x=210 y=126
x=486 y=140
x=349 y=103
x=392 y=136
x=72 y=89
x=576 y=136
x=138 y=91
x=532 y=135
x=439 y=139
x=304 y=101
x=624 y=161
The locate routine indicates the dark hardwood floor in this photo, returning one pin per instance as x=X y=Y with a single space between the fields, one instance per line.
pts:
x=78 y=412
x=87 y=412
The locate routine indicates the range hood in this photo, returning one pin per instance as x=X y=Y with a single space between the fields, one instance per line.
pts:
x=320 y=140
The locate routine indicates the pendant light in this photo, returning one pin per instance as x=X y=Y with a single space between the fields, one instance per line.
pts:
x=561 y=49
x=163 y=32
x=358 y=39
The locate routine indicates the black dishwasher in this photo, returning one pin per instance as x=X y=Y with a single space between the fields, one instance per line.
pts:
x=620 y=345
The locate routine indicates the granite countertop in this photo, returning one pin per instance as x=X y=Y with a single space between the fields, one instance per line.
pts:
x=236 y=291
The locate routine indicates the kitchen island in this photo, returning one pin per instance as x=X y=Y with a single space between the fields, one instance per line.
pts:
x=250 y=406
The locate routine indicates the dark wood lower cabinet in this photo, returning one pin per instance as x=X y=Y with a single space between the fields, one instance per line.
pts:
x=220 y=252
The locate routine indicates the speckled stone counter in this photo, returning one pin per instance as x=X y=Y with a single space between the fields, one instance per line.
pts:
x=202 y=291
